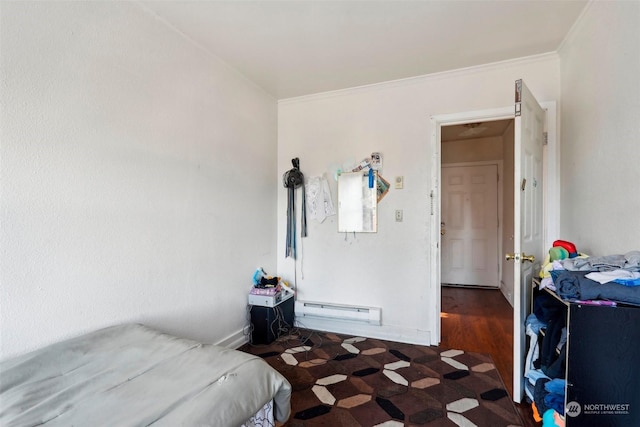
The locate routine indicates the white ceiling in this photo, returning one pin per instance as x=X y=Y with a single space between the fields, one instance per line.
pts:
x=474 y=130
x=299 y=47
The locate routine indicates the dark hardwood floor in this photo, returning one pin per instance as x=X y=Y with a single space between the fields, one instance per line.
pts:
x=481 y=320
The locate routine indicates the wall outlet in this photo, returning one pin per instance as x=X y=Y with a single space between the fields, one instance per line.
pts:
x=399 y=215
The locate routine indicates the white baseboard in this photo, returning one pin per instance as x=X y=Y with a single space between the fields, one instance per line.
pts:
x=383 y=332
x=234 y=341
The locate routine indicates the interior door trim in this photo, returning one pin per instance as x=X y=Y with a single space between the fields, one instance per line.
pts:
x=551 y=194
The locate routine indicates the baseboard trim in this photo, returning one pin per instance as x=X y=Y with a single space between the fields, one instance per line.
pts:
x=234 y=341
x=456 y=285
x=383 y=332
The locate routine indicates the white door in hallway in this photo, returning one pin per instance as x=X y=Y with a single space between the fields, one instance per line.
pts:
x=469 y=225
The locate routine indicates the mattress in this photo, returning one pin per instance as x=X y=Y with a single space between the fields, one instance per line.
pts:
x=132 y=375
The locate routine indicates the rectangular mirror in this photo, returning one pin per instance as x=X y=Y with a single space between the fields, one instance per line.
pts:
x=357 y=203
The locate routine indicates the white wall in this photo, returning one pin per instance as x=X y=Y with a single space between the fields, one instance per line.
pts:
x=388 y=269
x=137 y=177
x=472 y=150
x=600 y=65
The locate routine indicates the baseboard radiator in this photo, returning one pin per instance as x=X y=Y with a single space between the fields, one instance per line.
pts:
x=371 y=315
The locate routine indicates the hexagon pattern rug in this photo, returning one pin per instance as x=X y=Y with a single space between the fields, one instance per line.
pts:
x=340 y=380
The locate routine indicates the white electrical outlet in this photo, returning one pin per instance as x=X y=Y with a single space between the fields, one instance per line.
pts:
x=399 y=215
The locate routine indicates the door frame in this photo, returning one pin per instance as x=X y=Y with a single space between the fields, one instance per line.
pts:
x=551 y=192
x=500 y=190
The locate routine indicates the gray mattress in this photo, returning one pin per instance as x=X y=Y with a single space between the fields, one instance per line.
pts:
x=131 y=375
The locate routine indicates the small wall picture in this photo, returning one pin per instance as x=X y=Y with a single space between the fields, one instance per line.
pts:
x=376 y=161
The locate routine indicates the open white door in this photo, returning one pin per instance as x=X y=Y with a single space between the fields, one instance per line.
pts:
x=528 y=210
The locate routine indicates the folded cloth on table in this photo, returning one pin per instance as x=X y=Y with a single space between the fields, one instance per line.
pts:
x=576 y=264
x=574 y=285
x=547 y=282
x=610 y=276
x=633 y=258
x=607 y=262
x=568 y=283
x=628 y=282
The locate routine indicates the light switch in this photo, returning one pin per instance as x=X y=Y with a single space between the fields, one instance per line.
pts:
x=399 y=182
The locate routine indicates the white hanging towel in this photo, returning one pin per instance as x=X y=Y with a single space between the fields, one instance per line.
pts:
x=319 y=201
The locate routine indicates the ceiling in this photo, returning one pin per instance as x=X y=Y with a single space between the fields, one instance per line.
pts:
x=299 y=47
x=474 y=130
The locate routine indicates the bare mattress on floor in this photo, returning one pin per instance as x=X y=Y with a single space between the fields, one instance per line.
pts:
x=132 y=375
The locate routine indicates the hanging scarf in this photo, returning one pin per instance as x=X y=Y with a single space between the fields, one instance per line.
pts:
x=293 y=179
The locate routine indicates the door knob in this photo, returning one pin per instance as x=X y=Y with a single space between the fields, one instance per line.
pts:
x=518 y=257
x=529 y=258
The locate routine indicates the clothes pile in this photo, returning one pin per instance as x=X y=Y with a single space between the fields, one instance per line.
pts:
x=545 y=366
x=579 y=277
x=611 y=278
x=575 y=277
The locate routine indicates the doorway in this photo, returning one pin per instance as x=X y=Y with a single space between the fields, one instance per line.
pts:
x=549 y=204
x=476 y=203
x=480 y=302
x=439 y=124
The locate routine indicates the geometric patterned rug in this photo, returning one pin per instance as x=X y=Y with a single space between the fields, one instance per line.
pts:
x=340 y=380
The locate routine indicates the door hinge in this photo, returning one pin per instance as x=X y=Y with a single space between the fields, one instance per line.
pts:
x=545 y=138
x=431 y=202
x=518 y=111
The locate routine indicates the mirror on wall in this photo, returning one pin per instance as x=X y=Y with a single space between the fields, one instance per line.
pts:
x=357 y=203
